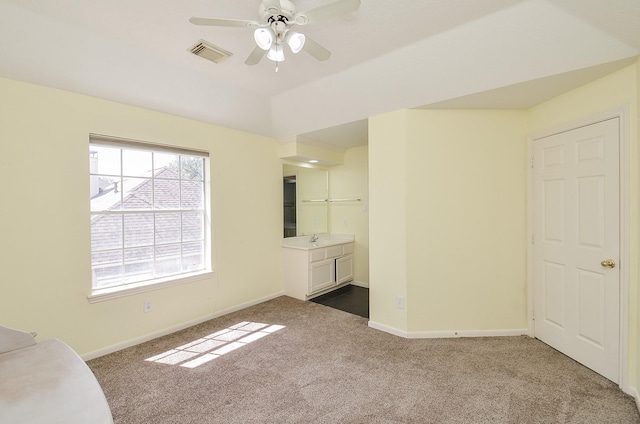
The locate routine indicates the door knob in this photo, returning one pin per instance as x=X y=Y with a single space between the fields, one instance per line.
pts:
x=608 y=263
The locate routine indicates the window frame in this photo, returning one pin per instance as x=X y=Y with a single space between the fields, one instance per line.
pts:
x=98 y=294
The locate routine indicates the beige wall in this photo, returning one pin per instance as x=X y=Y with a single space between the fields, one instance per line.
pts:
x=45 y=274
x=466 y=220
x=387 y=218
x=449 y=188
x=620 y=89
x=349 y=181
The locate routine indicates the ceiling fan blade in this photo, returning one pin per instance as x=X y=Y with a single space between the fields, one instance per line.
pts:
x=272 y=6
x=256 y=56
x=224 y=22
x=338 y=7
x=316 y=50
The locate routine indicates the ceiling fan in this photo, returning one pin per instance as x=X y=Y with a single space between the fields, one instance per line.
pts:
x=275 y=28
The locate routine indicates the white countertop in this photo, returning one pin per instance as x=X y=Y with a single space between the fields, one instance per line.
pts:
x=324 y=240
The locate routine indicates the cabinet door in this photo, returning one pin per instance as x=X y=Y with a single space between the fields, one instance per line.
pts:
x=321 y=275
x=344 y=269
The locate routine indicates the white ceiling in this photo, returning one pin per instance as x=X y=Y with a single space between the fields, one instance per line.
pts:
x=386 y=56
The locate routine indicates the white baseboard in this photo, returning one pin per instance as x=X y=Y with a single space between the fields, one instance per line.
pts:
x=632 y=391
x=145 y=338
x=387 y=329
x=247 y=304
x=359 y=284
x=447 y=334
x=467 y=333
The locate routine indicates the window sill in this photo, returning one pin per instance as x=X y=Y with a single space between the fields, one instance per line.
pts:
x=101 y=295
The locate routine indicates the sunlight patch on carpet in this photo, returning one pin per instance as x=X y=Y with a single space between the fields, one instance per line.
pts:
x=208 y=348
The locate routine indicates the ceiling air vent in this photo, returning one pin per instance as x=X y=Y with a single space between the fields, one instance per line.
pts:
x=210 y=52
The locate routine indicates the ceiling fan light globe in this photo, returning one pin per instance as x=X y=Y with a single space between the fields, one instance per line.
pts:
x=276 y=53
x=295 y=40
x=264 y=38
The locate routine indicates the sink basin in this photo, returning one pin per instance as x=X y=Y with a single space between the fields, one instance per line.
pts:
x=328 y=242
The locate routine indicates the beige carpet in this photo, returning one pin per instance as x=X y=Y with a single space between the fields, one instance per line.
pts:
x=327 y=366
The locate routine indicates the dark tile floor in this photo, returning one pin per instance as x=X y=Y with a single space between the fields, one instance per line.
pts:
x=350 y=298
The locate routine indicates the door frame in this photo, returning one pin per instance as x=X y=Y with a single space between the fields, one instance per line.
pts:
x=622 y=114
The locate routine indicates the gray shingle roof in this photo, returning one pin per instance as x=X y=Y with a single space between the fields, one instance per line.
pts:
x=137 y=195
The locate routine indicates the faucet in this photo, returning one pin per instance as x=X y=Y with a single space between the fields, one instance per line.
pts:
x=313 y=239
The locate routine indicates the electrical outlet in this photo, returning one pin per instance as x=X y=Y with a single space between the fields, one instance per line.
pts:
x=345 y=222
x=400 y=302
x=147 y=306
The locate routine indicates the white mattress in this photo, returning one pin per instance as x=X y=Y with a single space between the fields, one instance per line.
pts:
x=49 y=383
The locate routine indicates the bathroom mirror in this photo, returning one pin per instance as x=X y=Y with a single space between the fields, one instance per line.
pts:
x=305 y=194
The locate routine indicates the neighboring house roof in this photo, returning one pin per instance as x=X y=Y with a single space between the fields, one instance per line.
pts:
x=138 y=194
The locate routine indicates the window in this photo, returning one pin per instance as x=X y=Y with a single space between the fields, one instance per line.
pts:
x=149 y=213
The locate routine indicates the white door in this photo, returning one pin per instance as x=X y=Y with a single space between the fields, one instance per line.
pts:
x=576 y=230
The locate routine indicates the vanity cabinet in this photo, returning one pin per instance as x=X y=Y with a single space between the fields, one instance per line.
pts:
x=315 y=270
